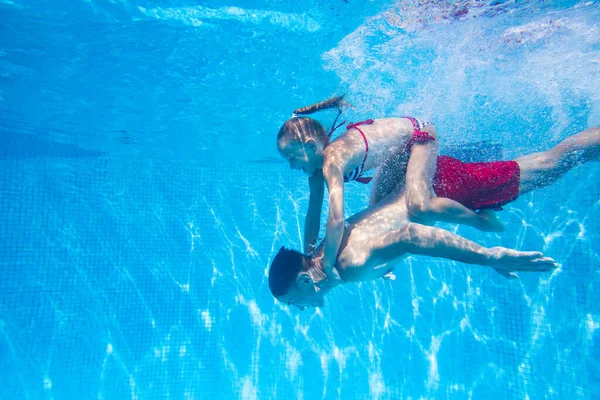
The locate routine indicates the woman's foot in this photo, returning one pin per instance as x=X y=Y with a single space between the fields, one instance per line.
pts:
x=489 y=222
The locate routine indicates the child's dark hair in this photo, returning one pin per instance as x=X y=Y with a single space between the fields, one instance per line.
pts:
x=284 y=270
x=303 y=127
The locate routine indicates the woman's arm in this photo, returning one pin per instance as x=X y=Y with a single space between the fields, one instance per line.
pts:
x=334 y=177
x=312 y=223
x=420 y=199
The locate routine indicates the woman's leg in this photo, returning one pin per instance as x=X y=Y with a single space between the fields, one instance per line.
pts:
x=425 y=207
x=542 y=169
x=387 y=178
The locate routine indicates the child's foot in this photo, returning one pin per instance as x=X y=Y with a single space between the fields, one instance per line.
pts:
x=489 y=221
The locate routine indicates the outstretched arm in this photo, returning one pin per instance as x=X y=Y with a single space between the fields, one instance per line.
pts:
x=334 y=178
x=421 y=202
x=312 y=223
x=434 y=242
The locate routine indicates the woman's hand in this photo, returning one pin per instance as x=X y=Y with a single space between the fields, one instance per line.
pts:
x=490 y=221
x=312 y=222
x=333 y=279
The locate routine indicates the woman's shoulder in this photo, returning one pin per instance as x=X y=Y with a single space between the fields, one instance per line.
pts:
x=391 y=120
x=391 y=125
x=371 y=123
x=381 y=125
x=397 y=121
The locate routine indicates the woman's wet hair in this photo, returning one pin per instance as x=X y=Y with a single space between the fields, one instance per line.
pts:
x=302 y=128
x=285 y=268
x=334 y=102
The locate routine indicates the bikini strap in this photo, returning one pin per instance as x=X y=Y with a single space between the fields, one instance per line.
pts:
x=418 y=135
x=364 y=179
x=334 y=126
x=356 y=126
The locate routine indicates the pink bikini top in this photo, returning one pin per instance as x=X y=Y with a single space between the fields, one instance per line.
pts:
x=418 y=136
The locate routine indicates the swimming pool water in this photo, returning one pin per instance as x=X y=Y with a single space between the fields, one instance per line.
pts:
x=142 y=199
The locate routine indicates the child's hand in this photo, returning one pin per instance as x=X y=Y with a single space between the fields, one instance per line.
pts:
x=507 y=261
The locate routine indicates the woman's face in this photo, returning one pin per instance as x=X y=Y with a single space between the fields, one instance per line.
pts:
x=300 y=155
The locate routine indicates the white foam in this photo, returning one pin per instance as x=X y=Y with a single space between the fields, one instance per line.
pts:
x=195 y=16
x=442 y=68
x=534 y=31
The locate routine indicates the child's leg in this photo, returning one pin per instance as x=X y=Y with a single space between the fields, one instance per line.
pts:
x=542 y=169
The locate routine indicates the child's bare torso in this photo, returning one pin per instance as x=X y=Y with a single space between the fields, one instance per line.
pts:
x=363 y=232
x=387 y=138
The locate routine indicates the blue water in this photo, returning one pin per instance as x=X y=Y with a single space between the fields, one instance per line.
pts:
x=142 y=199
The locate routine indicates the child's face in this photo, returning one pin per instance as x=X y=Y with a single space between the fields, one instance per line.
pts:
x=303 y=296
x=301 y=155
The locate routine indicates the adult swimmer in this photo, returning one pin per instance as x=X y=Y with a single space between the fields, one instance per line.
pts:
x=405 y=148
x=389 y=232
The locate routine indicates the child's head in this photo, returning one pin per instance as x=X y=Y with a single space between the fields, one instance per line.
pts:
x=290 y=280
x=301 y=140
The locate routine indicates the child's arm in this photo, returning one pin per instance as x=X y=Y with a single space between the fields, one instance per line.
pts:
x=420 y=201
x=434 y=242
x=312 y=223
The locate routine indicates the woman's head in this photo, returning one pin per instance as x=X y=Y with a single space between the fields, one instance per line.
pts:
x=301 y=140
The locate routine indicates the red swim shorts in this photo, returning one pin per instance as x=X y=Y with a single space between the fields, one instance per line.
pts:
x=477 y=185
